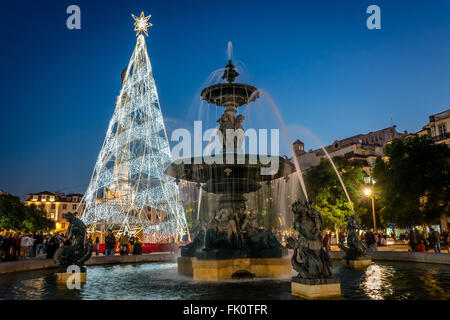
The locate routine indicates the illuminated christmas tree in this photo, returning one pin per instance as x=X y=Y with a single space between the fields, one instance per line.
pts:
x=128 y=188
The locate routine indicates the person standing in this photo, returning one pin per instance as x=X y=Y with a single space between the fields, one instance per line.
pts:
x=326 y=241
x=97 y=245
x=52 y=245
x=39 y=243
x=124 y=241
x=172 y=244
x=436 y=240
x=110 y=244
x=6 y=246
x=24 y=244
x=132 y=240
x=413 y=239
x=371 y=241
x=185 y=239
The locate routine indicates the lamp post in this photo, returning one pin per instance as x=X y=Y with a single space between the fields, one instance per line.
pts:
x=368 y=193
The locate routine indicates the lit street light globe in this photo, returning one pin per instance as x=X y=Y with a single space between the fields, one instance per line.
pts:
x=367 y=192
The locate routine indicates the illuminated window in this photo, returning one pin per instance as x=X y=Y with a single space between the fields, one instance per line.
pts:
x=442 y=129
x=52 y=215
x=52 y=198
x=43 y=198
x=35 y=197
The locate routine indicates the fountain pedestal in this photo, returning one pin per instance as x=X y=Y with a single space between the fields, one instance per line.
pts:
x=316 y=288
x=62 y=277
x=185 y=265
x=216 y=270
x=359 y=263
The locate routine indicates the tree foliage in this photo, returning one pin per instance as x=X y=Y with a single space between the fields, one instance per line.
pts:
x=14 y=215
x=325 y=189
x=413 y=183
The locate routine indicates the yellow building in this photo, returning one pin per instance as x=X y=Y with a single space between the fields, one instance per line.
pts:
x=56 y=205
x=361 y=148
x=438 y=127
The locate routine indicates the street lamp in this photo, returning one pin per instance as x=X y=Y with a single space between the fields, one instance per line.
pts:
x=368 y=193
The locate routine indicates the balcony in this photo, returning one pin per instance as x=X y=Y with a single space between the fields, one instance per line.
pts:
x=442 y=137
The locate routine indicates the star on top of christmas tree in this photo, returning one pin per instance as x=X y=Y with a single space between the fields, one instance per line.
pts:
x=141 y=23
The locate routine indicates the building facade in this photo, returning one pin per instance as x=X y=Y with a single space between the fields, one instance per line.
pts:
x=438 y=127
x=361 y=148
x=56 y=205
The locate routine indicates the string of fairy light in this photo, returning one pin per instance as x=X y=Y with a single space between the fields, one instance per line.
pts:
x=128 y=179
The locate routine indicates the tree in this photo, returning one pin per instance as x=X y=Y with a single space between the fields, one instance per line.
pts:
x=14 y=215
x=413 y=183
x=325 y=189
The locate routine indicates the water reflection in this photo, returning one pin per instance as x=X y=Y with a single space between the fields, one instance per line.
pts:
x=432 y=285
x=377 y=283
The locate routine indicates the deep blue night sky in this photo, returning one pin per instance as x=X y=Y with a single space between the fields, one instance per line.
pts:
x=317 y=60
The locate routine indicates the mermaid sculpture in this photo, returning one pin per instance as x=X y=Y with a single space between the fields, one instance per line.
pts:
x=355 y=247
x=80 y=249
x=310 y=260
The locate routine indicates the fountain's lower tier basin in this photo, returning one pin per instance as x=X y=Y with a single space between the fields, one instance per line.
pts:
x=223 y=269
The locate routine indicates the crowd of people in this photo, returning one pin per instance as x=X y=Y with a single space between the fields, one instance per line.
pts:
x=422 y=242
x=418 y=242
x=127 y=244
x=15 y=245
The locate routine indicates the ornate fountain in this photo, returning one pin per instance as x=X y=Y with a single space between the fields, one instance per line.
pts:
x=232 y=243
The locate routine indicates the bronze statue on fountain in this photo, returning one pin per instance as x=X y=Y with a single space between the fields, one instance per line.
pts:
x=232 y=231
x=355 y=250
x=310 y=260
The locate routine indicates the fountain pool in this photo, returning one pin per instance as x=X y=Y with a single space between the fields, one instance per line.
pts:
x=157 y=281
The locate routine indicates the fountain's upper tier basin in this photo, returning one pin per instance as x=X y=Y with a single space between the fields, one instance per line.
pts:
x=226 y=94
x=232 y=177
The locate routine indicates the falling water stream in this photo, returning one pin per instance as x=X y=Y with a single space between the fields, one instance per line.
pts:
x=230 y=50
x=286 y=134
x=308 y=132
x=199 y=203
x=294 y=158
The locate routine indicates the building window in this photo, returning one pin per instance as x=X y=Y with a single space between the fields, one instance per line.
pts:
x=53 y=206
x=42 y=206
x=74 y=207
x=43 y=198
x=35 y=197
x=52 y=215
x=52 y=198
x=64 y=206
x=442 y=129
x=63 y=225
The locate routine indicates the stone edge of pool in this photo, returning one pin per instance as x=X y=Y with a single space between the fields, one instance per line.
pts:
x=37 y=264
x=421 y=257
